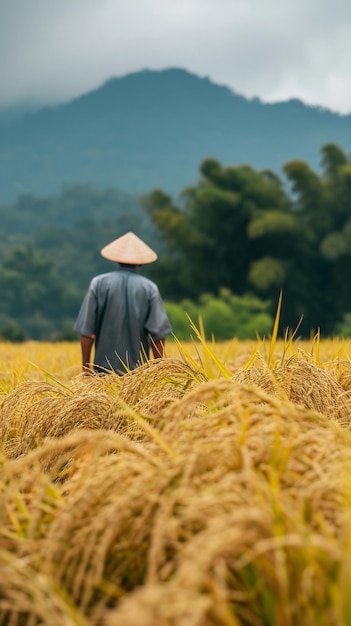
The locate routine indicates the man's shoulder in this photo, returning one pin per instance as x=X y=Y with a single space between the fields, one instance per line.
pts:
x=147 y=281
x=100 y=278
x=116 y=276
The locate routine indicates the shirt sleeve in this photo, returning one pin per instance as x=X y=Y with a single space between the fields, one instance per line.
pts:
x=157 y=323
x=85 y=323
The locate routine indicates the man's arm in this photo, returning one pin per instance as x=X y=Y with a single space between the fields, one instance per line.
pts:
x=86 y=344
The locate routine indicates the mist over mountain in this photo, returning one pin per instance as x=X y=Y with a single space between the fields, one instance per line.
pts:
x=152 y=129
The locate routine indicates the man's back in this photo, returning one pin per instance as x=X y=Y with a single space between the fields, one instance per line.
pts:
x=124 y=311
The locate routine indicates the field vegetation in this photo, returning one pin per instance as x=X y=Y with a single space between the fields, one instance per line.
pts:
x=209 y=488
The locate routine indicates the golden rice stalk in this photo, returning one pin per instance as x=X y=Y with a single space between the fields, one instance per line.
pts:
x=28 y=597
x=247 y=557
x=153 y=405
x=28 y=419
x=62 y=458
x=103 y=533
x=304 y=383
x=29 y=502
x=263 y=378
x=100 y=383
x=159 y=375
x=312 y=387
x=128 y=519
x=54 y=417
x=246 y=428
x=342 y=373
x=35 y=411
x=13 y=406
x=278 y=563
x=247 y=514
x=164 y=605
x=287 y=579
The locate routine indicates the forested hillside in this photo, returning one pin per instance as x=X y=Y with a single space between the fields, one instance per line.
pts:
x=50 y=250
x=235 y=239
x=152 y=129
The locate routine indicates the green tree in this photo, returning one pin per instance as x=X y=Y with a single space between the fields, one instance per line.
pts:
x=13 y=332
x=323 y=205
x=224 y=316
x=211 y=236
x=34 y=295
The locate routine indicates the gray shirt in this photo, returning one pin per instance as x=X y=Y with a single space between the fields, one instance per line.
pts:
x=125 y=312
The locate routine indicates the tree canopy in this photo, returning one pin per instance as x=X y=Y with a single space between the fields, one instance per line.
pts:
x=254 y=232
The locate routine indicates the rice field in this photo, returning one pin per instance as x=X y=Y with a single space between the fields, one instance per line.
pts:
x=209 y=488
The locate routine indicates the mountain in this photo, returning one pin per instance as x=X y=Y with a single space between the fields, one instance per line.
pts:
x=152 y=129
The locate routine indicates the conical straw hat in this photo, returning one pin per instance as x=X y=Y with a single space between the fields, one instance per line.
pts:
x=129 y=249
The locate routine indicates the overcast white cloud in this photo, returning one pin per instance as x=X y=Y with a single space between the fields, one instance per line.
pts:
x=54 y=50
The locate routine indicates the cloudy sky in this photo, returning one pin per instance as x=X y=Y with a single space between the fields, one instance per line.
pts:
x=54 y=50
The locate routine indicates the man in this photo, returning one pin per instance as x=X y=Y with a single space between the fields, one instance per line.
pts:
x=122 y=312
